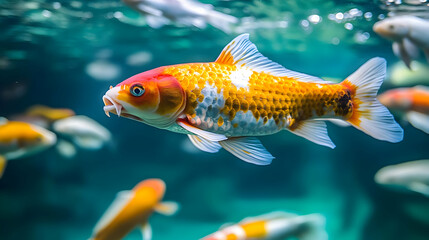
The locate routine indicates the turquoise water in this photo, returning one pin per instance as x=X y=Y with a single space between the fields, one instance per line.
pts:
x=46 y=52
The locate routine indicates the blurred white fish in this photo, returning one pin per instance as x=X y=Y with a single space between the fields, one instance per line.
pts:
x=400 y=75
x=408 y=33
x=139 y=58
x=187 y=12
x=83 y=131
x=413 y=176
x=274 y=226
x=103 y=70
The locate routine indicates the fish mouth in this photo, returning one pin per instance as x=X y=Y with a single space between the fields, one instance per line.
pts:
x=111 y=106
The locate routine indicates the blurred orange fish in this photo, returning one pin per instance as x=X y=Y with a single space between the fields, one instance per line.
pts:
x=227 y=103
x=414 y=102
x=132 y=209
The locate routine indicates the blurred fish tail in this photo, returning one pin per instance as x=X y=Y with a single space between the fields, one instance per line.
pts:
x=221 y=21
x=316 y=228
x=369 y=115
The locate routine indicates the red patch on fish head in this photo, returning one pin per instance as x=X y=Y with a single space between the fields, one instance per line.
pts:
x=153 y=91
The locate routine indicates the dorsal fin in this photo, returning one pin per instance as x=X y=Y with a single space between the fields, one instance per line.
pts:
x=243 y=53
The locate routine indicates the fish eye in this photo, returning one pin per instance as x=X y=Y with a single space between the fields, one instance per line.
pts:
x=137 y=90
x=391 y=27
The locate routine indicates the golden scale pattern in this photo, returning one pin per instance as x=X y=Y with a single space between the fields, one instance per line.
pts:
x=269 y=97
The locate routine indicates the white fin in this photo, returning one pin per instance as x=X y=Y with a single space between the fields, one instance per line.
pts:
x=146 y=230
x=214 y=137
x=422 y=88
x=3 y=120
x=420 y=188
x=168 y=208
x=316 y=227
x=339 y=122
x=315 y=131
x=369 y=115
x=156 y=22
x=419 y=120
x=221 y=21
x=149 y=10
x=243 y=53
x=121 y=200
x=66 y=149
x=3 y=163
x=89 y=143
x=406 y=50
x=204 y=144
x=248 y=149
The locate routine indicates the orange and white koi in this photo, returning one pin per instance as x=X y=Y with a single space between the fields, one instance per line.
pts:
x=227 y=103
x=414 y=102
x=21 y=139
x=274 y=226
x=132 y=209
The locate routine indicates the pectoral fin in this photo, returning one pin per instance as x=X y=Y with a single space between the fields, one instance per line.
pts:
x=168 y=208
x=248 y=149
x=418 y=120
x=199 y=132
x=420 y=188
x=204 y=144
x=405 y=50
x=146 y=230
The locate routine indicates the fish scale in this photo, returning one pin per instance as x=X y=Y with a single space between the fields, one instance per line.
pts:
x=270 y=104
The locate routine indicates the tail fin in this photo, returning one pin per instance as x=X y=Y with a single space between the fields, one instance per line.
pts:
x=221 y=21
x=316 y=228
x=369 y=115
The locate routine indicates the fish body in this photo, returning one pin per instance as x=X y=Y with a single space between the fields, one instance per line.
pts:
x=408 y=33
x=274 y=226
x=413 y=176
x=414 y=102
x=20 y=139
x=132 y=209
x=83 y=131
x=186 y=12
x=227 y=103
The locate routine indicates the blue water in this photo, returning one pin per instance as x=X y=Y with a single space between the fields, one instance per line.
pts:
x=45 y=52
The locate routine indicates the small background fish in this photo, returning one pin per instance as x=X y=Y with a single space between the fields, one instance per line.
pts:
x=46 y=48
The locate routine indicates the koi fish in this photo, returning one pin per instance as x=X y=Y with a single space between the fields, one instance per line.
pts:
x=227 y=103
x=414 y=102
x=20 y=139
x=132 y=209
x=408 y=33
x=274 y=226
x=48 y=113
x=185 y=12
x=413 y=176
x=84 y=132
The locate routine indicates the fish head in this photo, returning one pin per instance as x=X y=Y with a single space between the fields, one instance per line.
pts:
x=151 y=97
x=392 y=28
x=24 y=139
x=151 y=190
x=397 y=99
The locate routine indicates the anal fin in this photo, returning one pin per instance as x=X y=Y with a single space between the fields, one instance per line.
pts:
x=248 y=149
x=315 y=131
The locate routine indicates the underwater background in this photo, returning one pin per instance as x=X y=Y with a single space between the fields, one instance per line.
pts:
x=66 y=54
